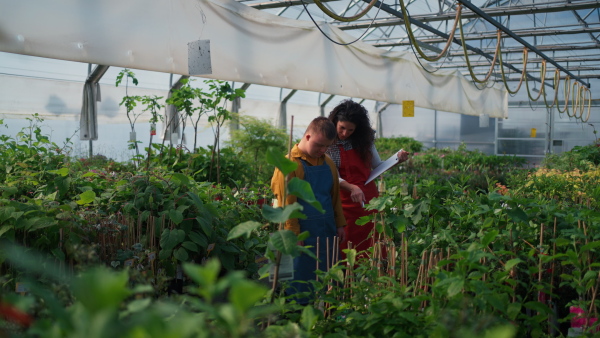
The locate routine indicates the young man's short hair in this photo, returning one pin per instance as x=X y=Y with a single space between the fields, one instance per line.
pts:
x=324 y=126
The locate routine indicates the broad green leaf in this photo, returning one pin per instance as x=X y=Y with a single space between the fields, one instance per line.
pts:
x=58 y=253
x=501 y=331
x=488 y=222
x=61 y=171
x=517 y=215
x=4 y=229
x=244 y=294
x=513 y=310
x=538 y=306
x=164 y=254
x=379 y=203
x=42 y=222
x=285 y=241
x=6 y=213
x=190 y=246
x=350 y=256
x=197 y=201
x=16 y=215
x=204 y=222
x=181 y=254
x=511 y=263
x=171 y=238
x=562 y=241
x=302 y=189
x=138 y=305
x=304 y=235
x=590 y=274
x=181 y=179
x=363 y=220
x=199 y=239
x=590 y=246
x=280 y=162
x=498 y=300
x=242 y=229
x=455 y=287
x=309 y=318
x=489 y=237
x=101 y=289
x=205 y=276
x=86 y=197
x=280 y=215
x=176 y=216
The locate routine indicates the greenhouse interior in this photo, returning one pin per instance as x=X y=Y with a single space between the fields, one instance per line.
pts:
x=160 y=178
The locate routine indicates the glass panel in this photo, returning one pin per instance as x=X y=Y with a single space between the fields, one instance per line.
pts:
x=522 y=147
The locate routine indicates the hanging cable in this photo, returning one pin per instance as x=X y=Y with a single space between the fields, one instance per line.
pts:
x=522 y=73
x=464 y=45
x=543 y=78
x=556 y=84
x=343 y=18
x=589 y=104
x=413 y=40
x=575 y=97
x=330 y=39
x=567 y=93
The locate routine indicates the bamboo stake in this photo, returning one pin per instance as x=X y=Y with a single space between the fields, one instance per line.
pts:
x=284 y=202
x=328 y=261
x=540 y=254
x=553 y=261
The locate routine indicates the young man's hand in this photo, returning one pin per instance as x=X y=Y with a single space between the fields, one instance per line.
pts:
x=341 y=234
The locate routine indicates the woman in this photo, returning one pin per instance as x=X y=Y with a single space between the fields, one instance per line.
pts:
x=354 y=155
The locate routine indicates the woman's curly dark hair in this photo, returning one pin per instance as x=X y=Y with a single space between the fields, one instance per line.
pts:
x=363 y=137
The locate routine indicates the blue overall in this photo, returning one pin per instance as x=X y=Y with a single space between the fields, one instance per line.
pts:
x=318 y=225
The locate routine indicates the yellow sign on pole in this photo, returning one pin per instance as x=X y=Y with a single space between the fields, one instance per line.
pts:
x=533 y=132
x=408 y=108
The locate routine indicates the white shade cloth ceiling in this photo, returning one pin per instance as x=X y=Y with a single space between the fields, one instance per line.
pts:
x=247 y=45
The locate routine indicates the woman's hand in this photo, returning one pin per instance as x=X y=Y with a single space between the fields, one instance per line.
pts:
x=356 y=194
x=402 y=155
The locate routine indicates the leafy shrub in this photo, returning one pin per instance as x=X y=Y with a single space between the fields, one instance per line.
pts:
x=580 y=157
x=251 y=142
x=386 y=147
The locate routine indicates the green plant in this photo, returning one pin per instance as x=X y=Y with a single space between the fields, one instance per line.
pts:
x=130 y=102
x=251 y=141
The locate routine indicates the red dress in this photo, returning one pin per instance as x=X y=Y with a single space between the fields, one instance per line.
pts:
x=355 y=171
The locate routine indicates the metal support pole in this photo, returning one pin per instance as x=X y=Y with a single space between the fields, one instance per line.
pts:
x=93 y=77
x=91 y=143
x=325 y=103
x=283 y=108
x=435 y=114
x=379 y=123
x=235 y=109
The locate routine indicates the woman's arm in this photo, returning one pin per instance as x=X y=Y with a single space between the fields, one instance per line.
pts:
x=356 y=193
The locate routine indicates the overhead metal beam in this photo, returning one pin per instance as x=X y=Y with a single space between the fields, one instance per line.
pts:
x=281 y=3
x=492 y=35
x=498 y=25
x=549 y=48
x=575 y=67
x=428 y=28
x=466 y=14
x=518 y=78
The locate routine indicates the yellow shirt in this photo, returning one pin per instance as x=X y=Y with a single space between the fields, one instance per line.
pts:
x=278 y=186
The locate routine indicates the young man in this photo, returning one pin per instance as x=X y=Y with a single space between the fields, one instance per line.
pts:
x=320 y=172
